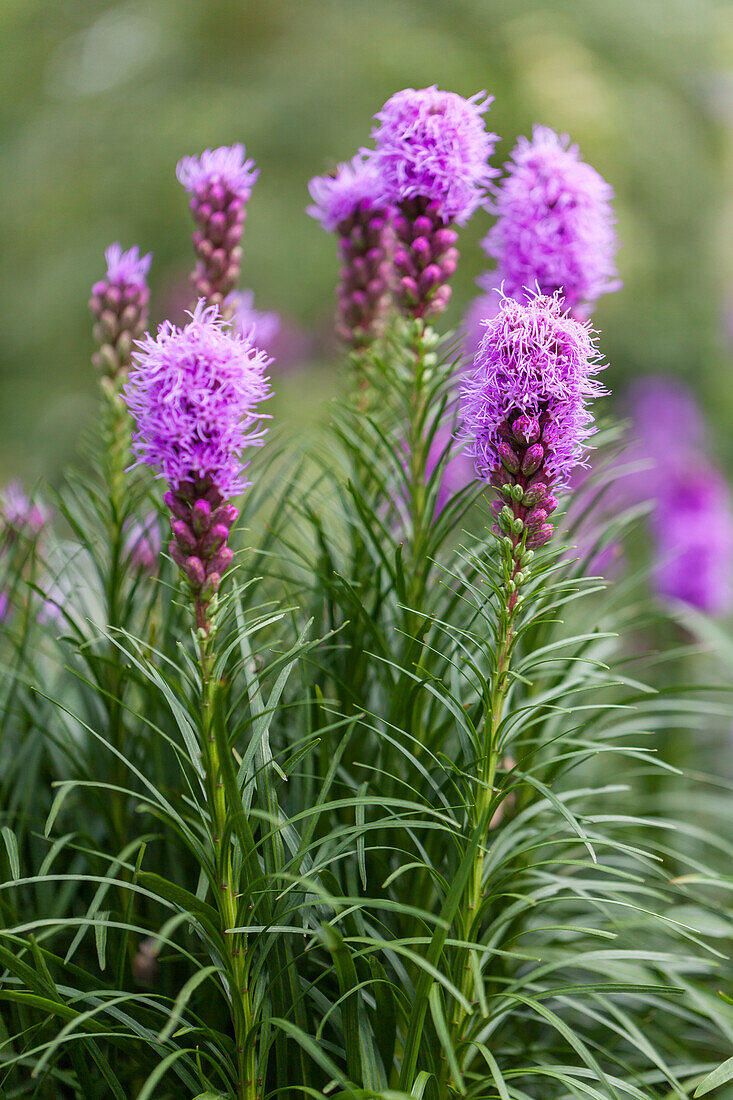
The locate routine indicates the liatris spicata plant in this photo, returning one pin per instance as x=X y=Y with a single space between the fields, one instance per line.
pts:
x=220 y=182
x=193 y=393
x=119 y=304
x=349 y=204
x=525 y=412
x=554 y=227
x=431 y=154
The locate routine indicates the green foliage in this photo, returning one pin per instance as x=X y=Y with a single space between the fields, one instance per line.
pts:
x=387 y=834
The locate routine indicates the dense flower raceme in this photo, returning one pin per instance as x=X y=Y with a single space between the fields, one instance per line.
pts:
x=348 y=203
x=555 y=224
x=431 y=153
x=193 y=393
x=119 y=304
x=220 y=182
x=691 y=520
x=525 y=409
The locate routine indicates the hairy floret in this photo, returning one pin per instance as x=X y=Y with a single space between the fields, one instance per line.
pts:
x=226 y=166
x=433 y=145
x=193 y=393
x=336 y=197
x=555 y=223
x=537 y=361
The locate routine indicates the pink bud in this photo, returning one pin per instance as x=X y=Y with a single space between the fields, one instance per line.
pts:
x=201 y=516
x=532 y=458
x=508 y=458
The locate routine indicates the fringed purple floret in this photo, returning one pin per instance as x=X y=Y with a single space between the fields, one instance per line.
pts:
x=524 y=407
x=193 y=393
x=337 y=196
x=349 y=204
x=119 y=304
x=431 y=153
x=433 y=145
x=220 y=182
x=555 y=224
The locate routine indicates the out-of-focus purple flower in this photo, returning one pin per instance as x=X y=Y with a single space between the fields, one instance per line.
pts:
x=431 y=152
x=691 y=522
x=337 y=197
x=458 y=471
x=142 y=543
x=693 y=529
x=433 y=145
x=349 y=203
x=220 y=182
x=19 y=514
x=4 y=606
x=555 y=224
x=119 y=304
x=261 y=327
x=193 y=393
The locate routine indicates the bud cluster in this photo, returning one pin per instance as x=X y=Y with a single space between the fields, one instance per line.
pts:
x=119 y=305
x=523 y=483
x=363 y=279
x=425 y=258
x=219 y=215
x=201 y=521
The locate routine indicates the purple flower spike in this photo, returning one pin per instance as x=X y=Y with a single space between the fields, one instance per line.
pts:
x=525 y=415
x=555 y=224
x=119 y=304
x=193 y=393
x=349 y=203
x=431 y=153
x=220 y=182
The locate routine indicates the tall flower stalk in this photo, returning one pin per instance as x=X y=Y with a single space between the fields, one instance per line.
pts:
x=220 y=183
x=527 y=423
x=194 y=394
x=119 y=305
x=431 y=152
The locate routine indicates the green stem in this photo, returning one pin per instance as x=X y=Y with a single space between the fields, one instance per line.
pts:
x=235 y=962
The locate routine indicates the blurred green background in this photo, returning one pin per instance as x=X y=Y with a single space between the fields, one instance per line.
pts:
x=98 y=101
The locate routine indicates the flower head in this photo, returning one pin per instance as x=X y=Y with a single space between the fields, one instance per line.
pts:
x=126 y=268
x=193 y=393
x=336 y=197
x=433 y=145
x=535 y=364
x=226 y=167
x=555 y=223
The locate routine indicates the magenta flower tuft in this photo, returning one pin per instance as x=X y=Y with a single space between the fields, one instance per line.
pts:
x=349 y=203
x=433 y=145
x=119 y=304
x=220 y=182
x=193 y=393
x=524 y=407
x=432 y=152
x=555 y=224
x=337 y=197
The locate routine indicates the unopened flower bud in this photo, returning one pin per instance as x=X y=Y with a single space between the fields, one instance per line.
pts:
x=532 y=458
x=526 y=430
x=508 y=458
